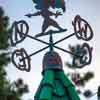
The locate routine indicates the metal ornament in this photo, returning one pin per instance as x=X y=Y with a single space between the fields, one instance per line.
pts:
x=19 y=31
x=52 y=67
x=86 y=56
x=85 y=31
x=23 y=65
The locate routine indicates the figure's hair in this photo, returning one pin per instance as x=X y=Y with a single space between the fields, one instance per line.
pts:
x=41 y=4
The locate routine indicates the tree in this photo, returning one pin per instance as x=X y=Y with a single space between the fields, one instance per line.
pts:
x=8 y=90
x=79 y=79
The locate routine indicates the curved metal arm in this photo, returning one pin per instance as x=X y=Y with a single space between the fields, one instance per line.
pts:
x=18 y=31
x=34 y=14
x=23 y=65
x=85 y=32
x=86 y=57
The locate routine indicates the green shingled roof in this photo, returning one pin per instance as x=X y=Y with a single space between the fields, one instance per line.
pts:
x=56 y=86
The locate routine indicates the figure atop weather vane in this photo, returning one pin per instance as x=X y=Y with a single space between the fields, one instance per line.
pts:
x=43 y=10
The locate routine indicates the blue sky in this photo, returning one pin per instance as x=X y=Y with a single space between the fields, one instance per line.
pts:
x=88 y=9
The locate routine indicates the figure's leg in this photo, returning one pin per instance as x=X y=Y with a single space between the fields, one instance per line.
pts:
x=69 y=87
x=55 y=24
x=45 y=26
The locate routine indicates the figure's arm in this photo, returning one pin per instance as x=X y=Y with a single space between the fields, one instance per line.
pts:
x=34 y=14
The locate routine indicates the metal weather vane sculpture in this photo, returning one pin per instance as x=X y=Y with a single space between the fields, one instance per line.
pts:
x=20 y=29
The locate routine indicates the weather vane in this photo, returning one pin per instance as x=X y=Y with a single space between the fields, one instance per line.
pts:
x=51 y=61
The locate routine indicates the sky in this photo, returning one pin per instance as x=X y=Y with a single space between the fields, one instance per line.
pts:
x=88 y=9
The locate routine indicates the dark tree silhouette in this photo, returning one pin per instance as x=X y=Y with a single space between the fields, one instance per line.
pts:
x=79 y=79
x=8 y=90
x=98 y=93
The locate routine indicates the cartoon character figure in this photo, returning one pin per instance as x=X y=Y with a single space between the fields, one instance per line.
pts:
x=44 y=6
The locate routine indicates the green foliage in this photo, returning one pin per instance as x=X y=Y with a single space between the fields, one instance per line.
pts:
x=4 y=59
x=8 y=90
x=4 y=20
x=98 y=93
x=79 y=79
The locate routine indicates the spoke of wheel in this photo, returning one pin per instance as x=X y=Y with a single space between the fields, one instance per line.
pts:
x=67 y=51
x=65 y=38
x=34 y=53
x=35 y=38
